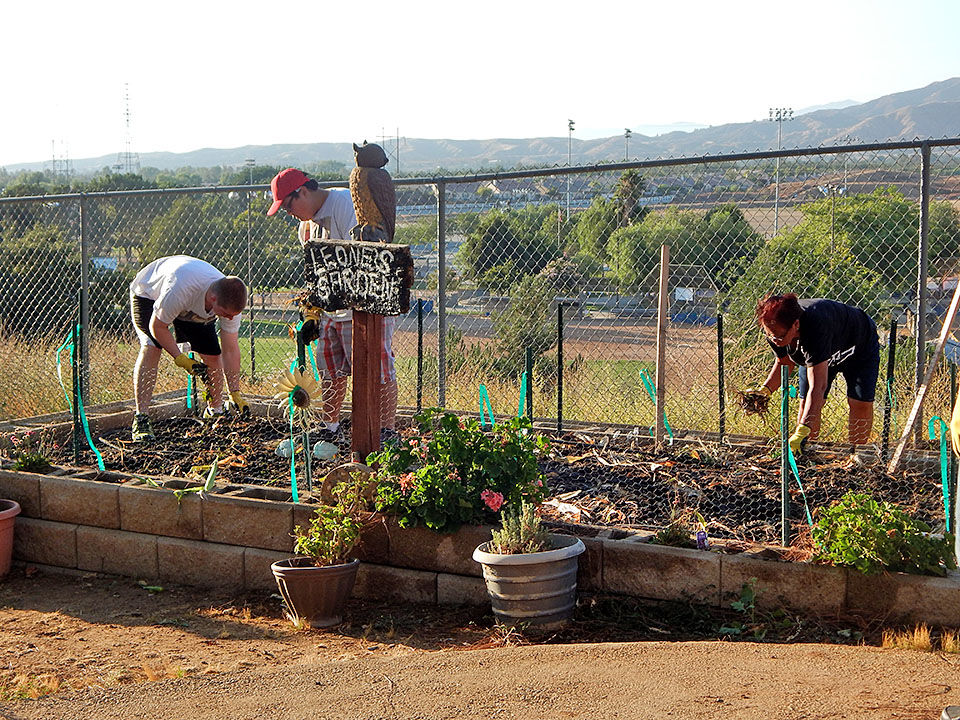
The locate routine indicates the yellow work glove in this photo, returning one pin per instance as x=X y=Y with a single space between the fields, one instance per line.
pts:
x=955 y=426
x=194 y=367
x=798 y=438
x=237 y=404
x=761 y=390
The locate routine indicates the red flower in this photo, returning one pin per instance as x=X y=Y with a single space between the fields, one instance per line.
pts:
x=493 y=500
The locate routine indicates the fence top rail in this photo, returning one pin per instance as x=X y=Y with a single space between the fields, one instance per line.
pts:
x=916 y=143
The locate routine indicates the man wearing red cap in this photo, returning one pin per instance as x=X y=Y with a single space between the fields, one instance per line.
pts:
x=328 y=213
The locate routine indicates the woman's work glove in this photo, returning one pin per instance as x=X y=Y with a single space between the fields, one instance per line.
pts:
x=238 y=404
x=761 y=390
x=955 y=426
x=798 y=439
x=194 y=367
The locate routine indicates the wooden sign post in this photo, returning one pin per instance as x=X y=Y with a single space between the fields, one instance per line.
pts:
x=373 y=279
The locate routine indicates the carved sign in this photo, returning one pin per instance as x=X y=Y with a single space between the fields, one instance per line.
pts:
x=372 y=277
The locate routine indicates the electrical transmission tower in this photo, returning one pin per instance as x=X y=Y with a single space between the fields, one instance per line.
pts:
x=127 y=161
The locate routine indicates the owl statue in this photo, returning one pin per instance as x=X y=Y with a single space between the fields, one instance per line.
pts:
x=374 y=199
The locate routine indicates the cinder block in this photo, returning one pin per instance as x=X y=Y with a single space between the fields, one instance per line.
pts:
x=661 y=572
x=902 y=598
x=256 y=568
x=816 y=589
x=461 y=590
x=590 y=566
x=157 y=511
x=248 y=522
x=48 y=543
x=424 y=549
x=23 y=488
x=118 y=552
x=194 y=562
x=381 y=582
x=84 y=502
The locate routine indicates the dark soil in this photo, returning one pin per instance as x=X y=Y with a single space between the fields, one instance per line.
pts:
x=595 y=479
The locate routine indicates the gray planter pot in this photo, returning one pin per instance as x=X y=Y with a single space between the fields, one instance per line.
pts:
x=314 y=594
x=538 y=589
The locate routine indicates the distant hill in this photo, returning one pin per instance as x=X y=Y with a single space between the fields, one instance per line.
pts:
x=929 y=112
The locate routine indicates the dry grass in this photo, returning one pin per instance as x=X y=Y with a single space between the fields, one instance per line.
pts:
x=918 y=639
x=950 y=642
x=28 y=687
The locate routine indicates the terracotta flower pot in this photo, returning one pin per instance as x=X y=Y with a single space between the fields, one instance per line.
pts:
x=314 y=594
x=535 y=588
x=8 y=511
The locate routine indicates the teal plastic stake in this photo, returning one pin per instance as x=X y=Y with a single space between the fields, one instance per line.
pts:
x=932 y=427
x=80 y=413
x=652 y=392
x=485 y=402
x=521 y=406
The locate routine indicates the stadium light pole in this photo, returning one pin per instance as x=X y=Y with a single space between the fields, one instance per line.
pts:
x=570 y=124
x=627 y=132
x=778 y=115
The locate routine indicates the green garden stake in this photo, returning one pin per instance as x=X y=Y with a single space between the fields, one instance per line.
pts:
x=944 y=473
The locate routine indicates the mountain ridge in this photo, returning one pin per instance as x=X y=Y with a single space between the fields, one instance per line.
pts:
x=932 y=112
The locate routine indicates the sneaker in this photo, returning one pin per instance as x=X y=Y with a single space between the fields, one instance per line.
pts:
x=142 y=430
x=211 y=413
x=331 y=436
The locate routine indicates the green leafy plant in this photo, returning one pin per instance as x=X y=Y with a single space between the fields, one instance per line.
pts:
x=520 y=532
x=455 y=472
x=29 y=451
x=334 y=530
x=872 y=536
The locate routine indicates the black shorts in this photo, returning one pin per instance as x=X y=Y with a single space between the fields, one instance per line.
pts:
x=860 y=371
x=201 y=336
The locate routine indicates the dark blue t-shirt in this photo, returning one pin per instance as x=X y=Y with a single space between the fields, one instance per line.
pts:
x=829 y=331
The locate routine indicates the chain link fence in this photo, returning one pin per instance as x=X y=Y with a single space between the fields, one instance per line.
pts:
x=554 y=273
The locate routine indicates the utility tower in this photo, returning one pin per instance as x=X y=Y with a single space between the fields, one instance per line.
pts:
x=60 y=165
x=127 y=161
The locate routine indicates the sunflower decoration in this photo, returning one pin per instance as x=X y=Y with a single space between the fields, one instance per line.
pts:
x=305 y=392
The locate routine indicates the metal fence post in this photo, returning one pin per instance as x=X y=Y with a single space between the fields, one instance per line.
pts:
x=559 y=367
x=888 y=406
x=441 y=294
x=663 y=305
x=721 y=399
x=784 y=457
x=84 y=348
x=419 y=354
x=253 y=352
x=921 y=325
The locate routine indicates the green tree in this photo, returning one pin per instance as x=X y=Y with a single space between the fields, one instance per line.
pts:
x=630 y=188
x=525 y=237
x=593 y=227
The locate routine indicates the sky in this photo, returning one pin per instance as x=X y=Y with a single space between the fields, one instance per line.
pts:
x=208 y=73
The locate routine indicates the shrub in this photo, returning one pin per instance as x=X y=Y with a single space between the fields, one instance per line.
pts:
x=872 y=536
x=520 y=532
x=456 y=473
x=334 y=530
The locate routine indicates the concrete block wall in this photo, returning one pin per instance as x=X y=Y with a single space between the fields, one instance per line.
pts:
x=231 y=537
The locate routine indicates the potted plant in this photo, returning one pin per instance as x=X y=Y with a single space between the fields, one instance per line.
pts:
x=316 y=584
x=9 y=509
x=531 y=575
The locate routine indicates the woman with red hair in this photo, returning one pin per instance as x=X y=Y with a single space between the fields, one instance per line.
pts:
x=825 y=338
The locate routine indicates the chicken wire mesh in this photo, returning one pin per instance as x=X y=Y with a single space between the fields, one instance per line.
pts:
x=555 y=273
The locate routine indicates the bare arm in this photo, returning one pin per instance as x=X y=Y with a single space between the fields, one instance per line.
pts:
x=813 y=403
x=230 y=347
x=773 y=378
x=162 y=333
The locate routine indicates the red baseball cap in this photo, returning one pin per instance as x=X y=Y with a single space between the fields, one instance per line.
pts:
x=284 y=183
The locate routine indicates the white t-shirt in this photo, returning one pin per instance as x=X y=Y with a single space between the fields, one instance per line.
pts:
x=333 y=221
x=178 y=286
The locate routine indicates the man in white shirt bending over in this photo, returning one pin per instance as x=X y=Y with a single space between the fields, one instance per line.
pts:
x=189 y=294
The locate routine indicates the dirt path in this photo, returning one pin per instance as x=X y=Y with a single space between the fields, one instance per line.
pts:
x=118 y=650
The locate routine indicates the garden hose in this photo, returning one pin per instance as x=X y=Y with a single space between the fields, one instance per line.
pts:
x=485 y=400
x=651 y=391
x=944 y=474
x=68 y=343
x=785 y=399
